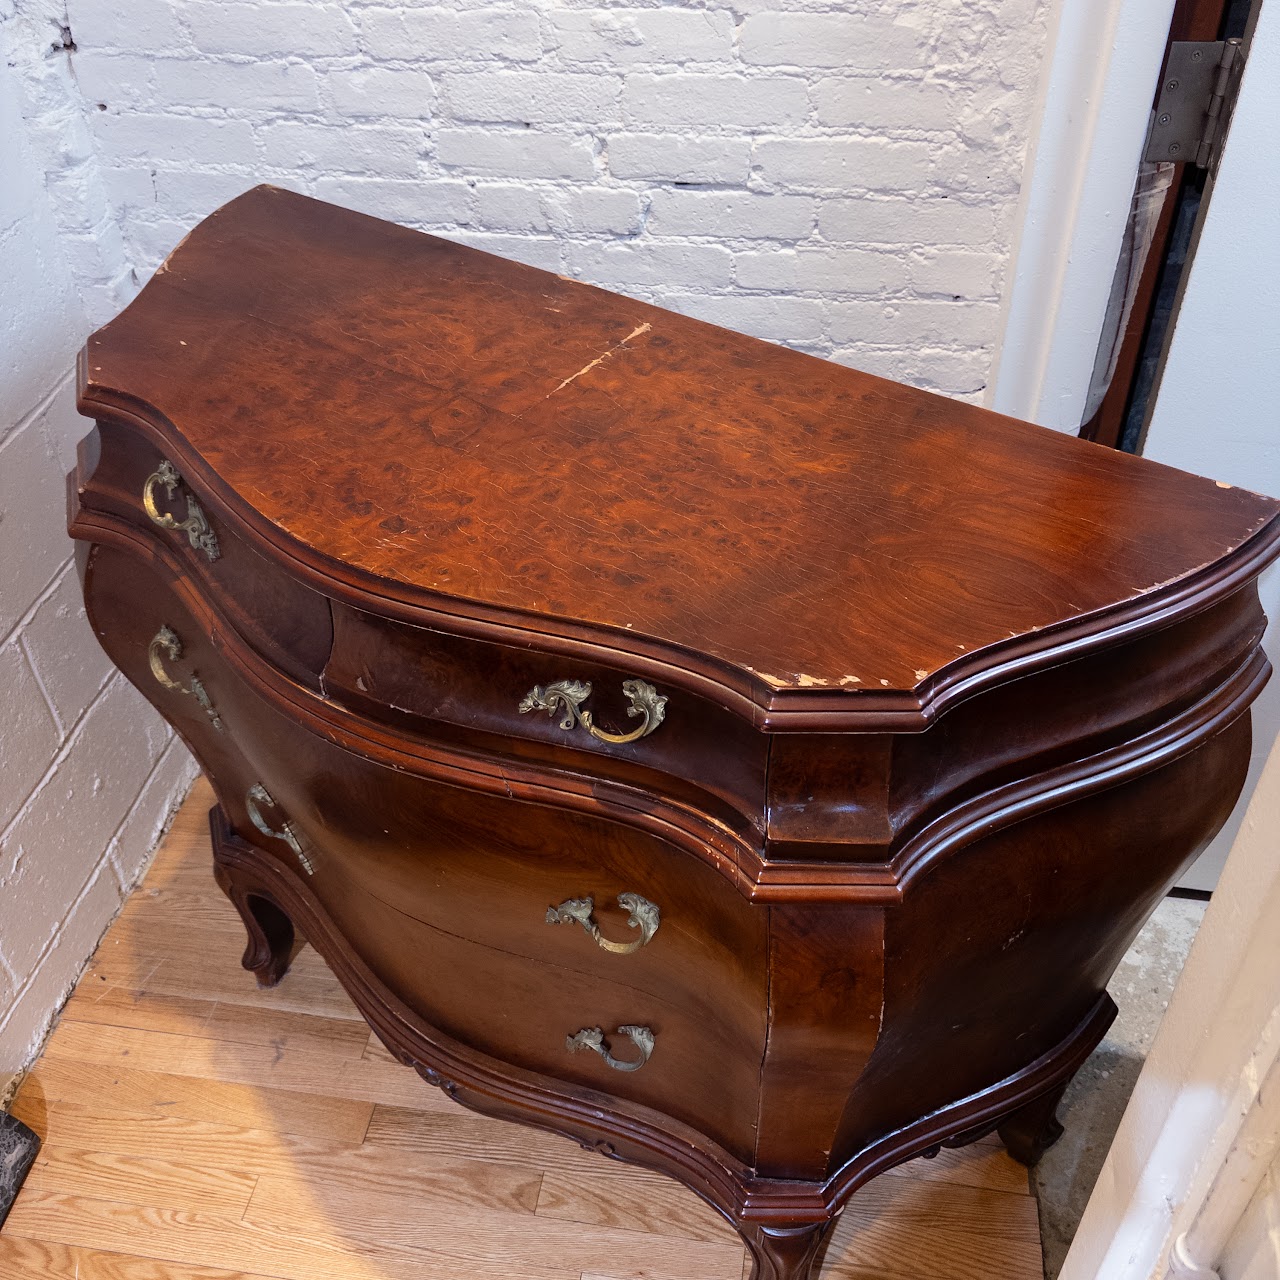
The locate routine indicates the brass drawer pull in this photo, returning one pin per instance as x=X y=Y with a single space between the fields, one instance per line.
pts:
x=258 y=794
x=195 y=526
x=593 y=1038
x=165 y=641
x=644 y=916
x=565 y=698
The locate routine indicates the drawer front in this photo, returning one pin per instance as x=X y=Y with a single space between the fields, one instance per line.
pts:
x=447 y=893
x=288 y=623
x=165 y=652
x=680 y=1055
x=473 y=908
x=565 y=711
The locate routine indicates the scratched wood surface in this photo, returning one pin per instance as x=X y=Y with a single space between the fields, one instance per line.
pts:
x=497 y=441
x=198 y=1128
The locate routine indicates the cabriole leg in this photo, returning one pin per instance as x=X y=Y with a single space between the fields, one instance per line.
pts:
x=270 y=931
x=785 y=1253
x=1031 y=1130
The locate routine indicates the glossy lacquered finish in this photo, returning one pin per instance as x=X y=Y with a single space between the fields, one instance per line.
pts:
x=743 y=765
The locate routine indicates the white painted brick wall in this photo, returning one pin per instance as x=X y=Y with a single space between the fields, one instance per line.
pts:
x=838 y=176
x=88 y=772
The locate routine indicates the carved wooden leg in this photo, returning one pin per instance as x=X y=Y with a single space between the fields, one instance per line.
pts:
x=1031 y=1130
x=785 y=1253
x=271 y=937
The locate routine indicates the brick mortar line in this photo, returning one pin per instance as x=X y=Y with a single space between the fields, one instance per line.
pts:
x=106 y=863
x=65 y=748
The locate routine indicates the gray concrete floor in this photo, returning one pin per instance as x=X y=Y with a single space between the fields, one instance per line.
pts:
x=1097 y=1097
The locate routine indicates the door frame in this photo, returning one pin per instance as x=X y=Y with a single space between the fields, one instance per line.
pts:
x=1101 y=71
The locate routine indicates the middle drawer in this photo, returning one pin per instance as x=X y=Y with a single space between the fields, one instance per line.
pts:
x=566 y=712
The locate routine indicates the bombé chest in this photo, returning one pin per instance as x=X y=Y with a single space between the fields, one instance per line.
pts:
x=735 y=761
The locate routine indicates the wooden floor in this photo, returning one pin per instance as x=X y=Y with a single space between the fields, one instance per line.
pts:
x=197 y=1128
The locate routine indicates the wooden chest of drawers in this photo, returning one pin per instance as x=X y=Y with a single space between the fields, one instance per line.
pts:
x=743 y=765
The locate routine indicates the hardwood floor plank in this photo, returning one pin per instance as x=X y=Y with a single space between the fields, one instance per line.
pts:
x=120 y=1091
x=948 y=1206
x=935 y=1232
x=480 y=1238
x=194 y=904
x=168 y=1184
x=165 y=1137
x=213 y=972
x=456 y=1132
x=376 y=1051
x=287 y=1031
x=460 y=1183
x=268 y=1065
x=217 y=1020
x=175 y=1141
x=317 y=1252
x=631 y=1201
x=980 y=1165
x=113 y=1006
x=29 y=1259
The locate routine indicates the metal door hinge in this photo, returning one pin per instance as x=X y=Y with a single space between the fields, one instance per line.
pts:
x=1196 y=98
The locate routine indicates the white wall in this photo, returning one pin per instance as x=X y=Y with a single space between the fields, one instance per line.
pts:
x=1217 y=412
x=840 y=177
x=1253 y=1251
x=1098 y=79
x=88 y=772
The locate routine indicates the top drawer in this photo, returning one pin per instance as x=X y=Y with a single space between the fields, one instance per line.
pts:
x=449 y=688
x=121 y=474
x=567 y=712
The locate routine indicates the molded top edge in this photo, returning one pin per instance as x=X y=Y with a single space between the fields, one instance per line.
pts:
x=480 y=445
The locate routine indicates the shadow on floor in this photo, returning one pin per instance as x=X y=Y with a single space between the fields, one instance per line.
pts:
x=1096 y=1100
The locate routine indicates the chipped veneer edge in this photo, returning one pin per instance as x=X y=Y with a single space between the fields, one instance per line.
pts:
x=9 y=1085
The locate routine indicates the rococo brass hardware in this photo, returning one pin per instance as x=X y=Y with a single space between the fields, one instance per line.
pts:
x=593 y=1038
x=565 y=698
x=195 y=526
x=166 y=640
x=644 y=916
x=258 y=794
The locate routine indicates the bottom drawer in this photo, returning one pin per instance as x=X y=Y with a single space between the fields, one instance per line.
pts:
x=701 y=1070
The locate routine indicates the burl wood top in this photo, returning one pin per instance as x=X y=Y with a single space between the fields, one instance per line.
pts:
x=482 y=437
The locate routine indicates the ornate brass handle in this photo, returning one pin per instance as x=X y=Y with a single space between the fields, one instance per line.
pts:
x=565 y=698
x=593 y=1038
x=258 y=794
x=644 y=916
x=195 y=526
x=165 y=641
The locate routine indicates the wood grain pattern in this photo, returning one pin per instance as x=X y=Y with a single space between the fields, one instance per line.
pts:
x=131 y=1188
x=607 y=470
x=22 y=1259
x=128 y=1092
x=264 y=1064
x=166 y=1184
